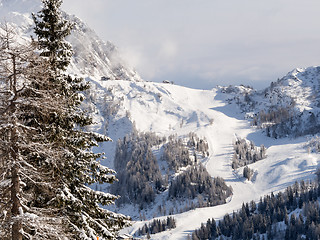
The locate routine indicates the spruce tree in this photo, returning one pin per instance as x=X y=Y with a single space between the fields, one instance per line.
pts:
x=51 y=30
x=79 y=167
x=54 y=164
x=46 y=162
x=28 y=160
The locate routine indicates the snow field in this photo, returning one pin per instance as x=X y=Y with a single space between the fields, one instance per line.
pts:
x=167 y=109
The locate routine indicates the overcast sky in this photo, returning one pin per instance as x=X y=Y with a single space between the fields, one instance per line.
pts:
x=204 y=43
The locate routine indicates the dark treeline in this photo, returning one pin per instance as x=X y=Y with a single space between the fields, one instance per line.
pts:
x=196 y=180
x=273 y=116
x=293 y=214
x=246 y=153
x=198 y=144
x=297 y=125
x=137 y=169
x=157 y=226
x=176 y=154
x=140 y=178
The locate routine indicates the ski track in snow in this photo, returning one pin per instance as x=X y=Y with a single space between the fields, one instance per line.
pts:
x=287 y=160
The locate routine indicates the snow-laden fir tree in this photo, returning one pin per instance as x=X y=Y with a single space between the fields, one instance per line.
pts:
x=28 y=161
x=79 y=167
x=46 y=159
x=51 y=30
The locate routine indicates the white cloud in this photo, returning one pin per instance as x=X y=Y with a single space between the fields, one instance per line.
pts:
x=168 y=50
x=214 y=41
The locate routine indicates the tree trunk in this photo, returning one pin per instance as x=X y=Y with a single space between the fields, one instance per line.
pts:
x=15 y=187
x=16 y=225
x=14 y=152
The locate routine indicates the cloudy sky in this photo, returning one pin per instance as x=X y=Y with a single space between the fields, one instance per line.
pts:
x=204 y=43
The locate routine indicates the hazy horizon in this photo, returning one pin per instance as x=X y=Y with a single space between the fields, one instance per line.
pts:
x=205 y=43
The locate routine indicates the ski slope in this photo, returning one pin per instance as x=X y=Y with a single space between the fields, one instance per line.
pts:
x=168 y=109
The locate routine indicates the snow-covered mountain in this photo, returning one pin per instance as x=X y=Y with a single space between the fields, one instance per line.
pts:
x=169 y=109
x=95 y=58
x=288 y=107
x=120 y=101
x=299 y=89
x=92 y=56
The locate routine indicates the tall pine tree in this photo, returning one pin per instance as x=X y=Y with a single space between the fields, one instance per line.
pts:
x=51 y=30
x=79 y=166
x=46 y=162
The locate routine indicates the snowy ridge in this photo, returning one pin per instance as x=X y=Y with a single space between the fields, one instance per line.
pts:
x=302 y=85
x=96 y=58
x=299 y=87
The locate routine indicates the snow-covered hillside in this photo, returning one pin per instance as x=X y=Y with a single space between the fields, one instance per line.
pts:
x=299 y=88
x=122 y=100
x=167 y=109
x=289 y=107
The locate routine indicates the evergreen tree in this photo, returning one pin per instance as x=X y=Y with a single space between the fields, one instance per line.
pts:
x=46 y=163
x=247 y=172
x=27 y=168
x=51 y=30
x=80 y=167
x=157 y=226
x=47 y=157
